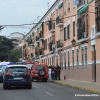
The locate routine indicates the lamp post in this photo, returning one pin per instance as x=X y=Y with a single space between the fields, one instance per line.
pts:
x=73 y=42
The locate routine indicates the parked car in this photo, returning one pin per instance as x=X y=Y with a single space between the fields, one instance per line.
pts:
x=39 y=72
x=2 y=66
x=1 y=75
x=17 y=75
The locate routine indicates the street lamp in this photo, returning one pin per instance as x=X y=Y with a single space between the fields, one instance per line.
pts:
x=73 y=42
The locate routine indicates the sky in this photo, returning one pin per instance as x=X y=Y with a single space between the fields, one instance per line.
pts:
x=17 y=12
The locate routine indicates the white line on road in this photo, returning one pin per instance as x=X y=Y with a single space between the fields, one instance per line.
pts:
x=36 y=87
x=49 y=93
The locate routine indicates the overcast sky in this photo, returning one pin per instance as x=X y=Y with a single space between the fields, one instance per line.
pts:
x=16 y=12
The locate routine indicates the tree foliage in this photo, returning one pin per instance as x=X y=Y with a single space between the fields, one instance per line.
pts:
x=5 y=46
x=15 y=54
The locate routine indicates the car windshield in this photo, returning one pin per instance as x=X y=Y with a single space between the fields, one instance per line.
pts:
x=17 y=69
x=39 y=67
x=29 y=66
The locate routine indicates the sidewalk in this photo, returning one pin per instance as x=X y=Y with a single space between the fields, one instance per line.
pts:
x=91 y=87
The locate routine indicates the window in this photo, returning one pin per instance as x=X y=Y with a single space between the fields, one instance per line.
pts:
x=73 y=58
x=65 y=60
x=39 y=67
x=77 y=58
x=62 y=34
x=68 y=60
x=82 y=57
x=68 y=4
x=68 y=31
x=48 y=61
x=85 y=56
x=74 y=28
x=65 y=34
x=62 y=60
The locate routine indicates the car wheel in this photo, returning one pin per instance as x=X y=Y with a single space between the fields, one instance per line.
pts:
x=45 y=80
x=42 y=72
x=5 y=87
x=37 y=80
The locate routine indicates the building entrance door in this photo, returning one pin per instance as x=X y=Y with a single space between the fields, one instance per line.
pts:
x=94 y=64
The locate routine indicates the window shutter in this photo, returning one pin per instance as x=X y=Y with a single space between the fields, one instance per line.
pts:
x=65 y=34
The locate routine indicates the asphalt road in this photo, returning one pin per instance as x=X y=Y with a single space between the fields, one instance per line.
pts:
x=44 y=91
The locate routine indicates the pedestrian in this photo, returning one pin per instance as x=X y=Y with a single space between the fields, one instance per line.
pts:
x=53 y=74
x=58 y=71
x=49 y=72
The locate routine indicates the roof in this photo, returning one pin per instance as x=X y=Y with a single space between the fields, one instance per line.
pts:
x=17 y=65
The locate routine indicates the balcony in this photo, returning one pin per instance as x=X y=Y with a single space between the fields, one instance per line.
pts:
x=24 y=46
x=81 y=4
x=59 y=21
x=41 y=36
x=51 y=26
x=37 y=39
x=98 y=24
x=51 y=46
x=41 y=51
x=59 y=43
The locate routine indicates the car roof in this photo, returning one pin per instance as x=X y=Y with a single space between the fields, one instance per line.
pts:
x=16 y=65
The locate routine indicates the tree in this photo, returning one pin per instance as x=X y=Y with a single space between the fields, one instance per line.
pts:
x=5 y=46
x=15 y=54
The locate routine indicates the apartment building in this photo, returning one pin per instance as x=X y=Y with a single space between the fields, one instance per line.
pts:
x=66 y=35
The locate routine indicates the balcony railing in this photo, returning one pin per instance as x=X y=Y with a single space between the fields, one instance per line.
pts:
x=40 y=35
x=51 y=46
x=51 y=26
x=81 y=3
x=59 y=21
x=59 y=43
x=98 y=24
x=37 y=38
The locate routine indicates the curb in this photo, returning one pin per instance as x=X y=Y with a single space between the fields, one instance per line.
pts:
x=77 y=87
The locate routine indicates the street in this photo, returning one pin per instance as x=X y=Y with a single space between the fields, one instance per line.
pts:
x=44 y=91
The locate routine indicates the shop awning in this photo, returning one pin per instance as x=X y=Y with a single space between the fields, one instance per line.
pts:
x=60 y=5
x=85 y=7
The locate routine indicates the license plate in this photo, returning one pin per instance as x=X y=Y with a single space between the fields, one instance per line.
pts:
x=18 y=78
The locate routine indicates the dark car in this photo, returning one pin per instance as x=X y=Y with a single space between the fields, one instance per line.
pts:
x=17 y=75
x=39 y=72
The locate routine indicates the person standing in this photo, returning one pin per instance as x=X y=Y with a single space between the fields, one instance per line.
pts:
x=58 y=71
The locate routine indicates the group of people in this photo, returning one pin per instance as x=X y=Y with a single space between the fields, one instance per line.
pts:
x=54 y=72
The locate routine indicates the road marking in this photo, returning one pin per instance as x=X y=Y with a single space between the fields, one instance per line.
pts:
x=36 y=87
x=49 y=93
